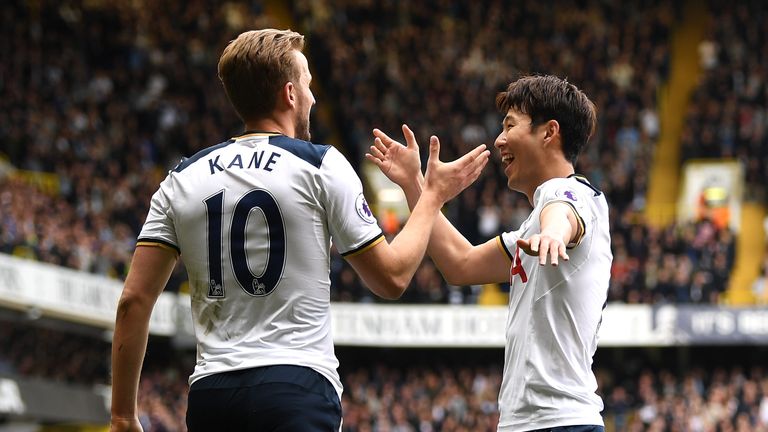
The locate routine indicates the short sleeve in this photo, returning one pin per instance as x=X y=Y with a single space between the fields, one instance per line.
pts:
x=353 y=226
x=507 y=242
x=575 y=195
x=159 y=227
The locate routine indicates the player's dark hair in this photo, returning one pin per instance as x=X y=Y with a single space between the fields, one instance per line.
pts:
x=547 y=97
x=255 y=66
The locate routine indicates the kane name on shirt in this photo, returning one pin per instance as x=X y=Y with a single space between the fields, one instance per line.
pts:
x=255 y=161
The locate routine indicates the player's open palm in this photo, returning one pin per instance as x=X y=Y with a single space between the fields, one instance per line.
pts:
x=447 y=179
x=400 y=163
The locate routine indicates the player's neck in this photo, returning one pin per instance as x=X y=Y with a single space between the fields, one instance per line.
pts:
x=270 y=125
x=558 y=169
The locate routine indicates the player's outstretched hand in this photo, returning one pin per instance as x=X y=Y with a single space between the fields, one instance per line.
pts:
x=447 y=179
x=400 y=163
x=544 y=246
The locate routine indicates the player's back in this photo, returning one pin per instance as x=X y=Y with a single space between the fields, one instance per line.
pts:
x=251 y=220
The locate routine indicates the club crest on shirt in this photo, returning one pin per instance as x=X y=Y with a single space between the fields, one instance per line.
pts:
x=363 y=210
x=568 y=194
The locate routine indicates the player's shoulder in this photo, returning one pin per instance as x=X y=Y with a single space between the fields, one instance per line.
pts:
x=574 y=184
x=581 y=179
x=187 y=161
x=574 y=189
x=310 y=152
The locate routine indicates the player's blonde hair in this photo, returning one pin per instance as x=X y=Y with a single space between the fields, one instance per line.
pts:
x=255 y=66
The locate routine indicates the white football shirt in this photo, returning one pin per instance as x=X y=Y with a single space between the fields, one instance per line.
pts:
x=253 y=219
x=554 y=317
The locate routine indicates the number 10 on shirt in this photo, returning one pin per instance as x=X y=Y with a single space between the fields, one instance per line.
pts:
x=255 y=285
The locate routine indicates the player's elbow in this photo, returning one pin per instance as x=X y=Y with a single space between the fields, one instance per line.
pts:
x=132 y=303
x=125 y=305
x=384 y=273
x=388 y=285
x=392 y=289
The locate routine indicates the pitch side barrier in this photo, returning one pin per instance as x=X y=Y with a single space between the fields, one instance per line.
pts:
x=85 y=298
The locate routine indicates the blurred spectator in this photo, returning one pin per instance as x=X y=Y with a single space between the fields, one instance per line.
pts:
x=760 y=285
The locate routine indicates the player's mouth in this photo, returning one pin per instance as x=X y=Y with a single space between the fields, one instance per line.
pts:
x=507 y=159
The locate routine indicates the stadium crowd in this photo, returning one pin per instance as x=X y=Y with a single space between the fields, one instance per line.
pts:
x=376 y=54
x=110 y=114
x=728 y=114
x=26 y=352
x=463 y=398
x=434 y=391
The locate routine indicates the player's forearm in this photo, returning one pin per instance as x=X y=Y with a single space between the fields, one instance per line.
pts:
x=128 y=348
x=410 y=244
x=447 y=246
x=557 y=221
x=412 y=190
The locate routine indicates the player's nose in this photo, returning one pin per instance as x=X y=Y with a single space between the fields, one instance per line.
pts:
x=500 y=141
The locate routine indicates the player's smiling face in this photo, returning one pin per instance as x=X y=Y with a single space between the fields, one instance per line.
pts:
x=521 y=151
x=305 y=97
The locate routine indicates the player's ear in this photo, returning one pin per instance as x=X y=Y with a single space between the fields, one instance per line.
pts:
x=288 y=95
x=551 y=130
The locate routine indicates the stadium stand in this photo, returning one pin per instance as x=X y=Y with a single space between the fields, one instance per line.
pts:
x=726 y=120
x=79 y=358
x=444 y=390
x=727 y=115
x=99 y=99
x=622 y=65
x=108 y=144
